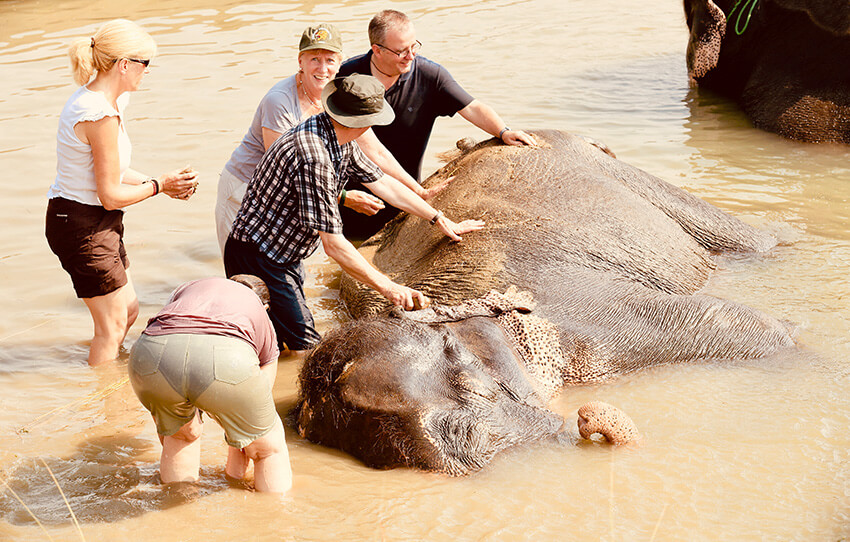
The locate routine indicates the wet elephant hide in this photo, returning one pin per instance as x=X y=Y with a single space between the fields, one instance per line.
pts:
x=614 y=258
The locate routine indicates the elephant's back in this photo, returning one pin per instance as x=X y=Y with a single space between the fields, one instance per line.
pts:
x=544 y=208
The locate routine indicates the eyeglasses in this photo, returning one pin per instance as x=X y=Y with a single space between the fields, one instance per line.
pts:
x=144 y=63
x=413 y=50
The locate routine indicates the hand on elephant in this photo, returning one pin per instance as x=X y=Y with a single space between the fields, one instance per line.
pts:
x=428 y=193
x=407 y=298
x=518 y=137
x=361 y=202
x=454 y=230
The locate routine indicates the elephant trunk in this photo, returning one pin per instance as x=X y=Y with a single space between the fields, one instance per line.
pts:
x=707 y=24
x=608 y=421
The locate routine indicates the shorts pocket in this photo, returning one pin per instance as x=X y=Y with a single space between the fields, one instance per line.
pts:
x=147 y=354
x=233 y=365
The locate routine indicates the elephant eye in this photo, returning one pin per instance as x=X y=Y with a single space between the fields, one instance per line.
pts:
x=477 y=387
x=462 y=441
x=467 y=381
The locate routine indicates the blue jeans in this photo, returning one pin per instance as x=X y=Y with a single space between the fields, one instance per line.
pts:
x=288 y=310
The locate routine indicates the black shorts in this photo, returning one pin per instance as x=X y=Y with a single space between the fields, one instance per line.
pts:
x=88 y=241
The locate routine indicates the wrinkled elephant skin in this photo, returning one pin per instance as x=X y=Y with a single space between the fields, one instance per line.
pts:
x=613 y=258
x=785 y=63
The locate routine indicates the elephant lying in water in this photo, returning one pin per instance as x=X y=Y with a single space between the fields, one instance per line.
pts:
x=613 y=258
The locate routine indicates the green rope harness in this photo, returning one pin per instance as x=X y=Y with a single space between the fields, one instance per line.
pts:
x=752 y=4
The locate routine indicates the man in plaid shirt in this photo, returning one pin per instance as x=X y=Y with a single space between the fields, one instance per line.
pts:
x=292 y=204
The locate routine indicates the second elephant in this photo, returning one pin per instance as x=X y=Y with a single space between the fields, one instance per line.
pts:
x=785 y=62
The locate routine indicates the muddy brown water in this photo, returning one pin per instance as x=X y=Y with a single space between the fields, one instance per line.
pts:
x=733 y=451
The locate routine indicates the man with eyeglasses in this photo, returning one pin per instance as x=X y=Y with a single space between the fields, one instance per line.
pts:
x=419 y=90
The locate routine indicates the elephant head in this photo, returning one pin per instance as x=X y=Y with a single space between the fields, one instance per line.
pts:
x=782 y=61
x=441 y=397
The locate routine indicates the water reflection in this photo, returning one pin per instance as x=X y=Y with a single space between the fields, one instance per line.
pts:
x=102 y=482
x=771 y=172
x=615 y=95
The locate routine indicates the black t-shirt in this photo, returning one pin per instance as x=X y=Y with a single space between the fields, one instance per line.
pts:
x=418 y=97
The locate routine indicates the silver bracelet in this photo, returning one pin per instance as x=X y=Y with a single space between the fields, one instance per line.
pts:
x=505 y=129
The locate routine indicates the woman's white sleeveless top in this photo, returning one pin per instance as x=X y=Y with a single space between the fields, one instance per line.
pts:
x=74 y=160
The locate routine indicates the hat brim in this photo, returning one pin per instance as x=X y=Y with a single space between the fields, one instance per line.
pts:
x=325 y=46
x=383 y=117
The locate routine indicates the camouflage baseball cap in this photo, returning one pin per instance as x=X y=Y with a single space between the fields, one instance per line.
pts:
x=321 y=36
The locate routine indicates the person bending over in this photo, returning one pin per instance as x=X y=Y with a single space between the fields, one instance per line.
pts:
x=212 y=348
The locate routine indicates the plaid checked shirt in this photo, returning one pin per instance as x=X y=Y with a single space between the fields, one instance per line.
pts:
x=293 y=194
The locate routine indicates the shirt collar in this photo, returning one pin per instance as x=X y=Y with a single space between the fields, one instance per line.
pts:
x=402 y=77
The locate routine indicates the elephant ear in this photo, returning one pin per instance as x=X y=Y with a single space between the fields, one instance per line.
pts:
x=707 y=24
x=831 y=15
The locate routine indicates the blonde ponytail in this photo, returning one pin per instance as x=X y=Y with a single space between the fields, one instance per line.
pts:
x=114 y=40
x=82 y=63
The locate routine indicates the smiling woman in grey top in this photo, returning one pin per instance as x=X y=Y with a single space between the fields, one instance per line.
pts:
x=286 y=104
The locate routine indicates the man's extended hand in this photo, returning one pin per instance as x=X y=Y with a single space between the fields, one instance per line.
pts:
x=428 y=193
x=518 y=137
x=407 y=298
x=454 y=230
x=360 y=201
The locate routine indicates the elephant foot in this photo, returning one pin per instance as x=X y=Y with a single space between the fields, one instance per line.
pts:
x=607 y=420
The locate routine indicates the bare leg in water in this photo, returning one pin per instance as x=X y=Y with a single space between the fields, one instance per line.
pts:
x=113 y=315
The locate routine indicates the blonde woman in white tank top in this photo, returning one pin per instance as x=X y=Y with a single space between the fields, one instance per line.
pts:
x=94 y=181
